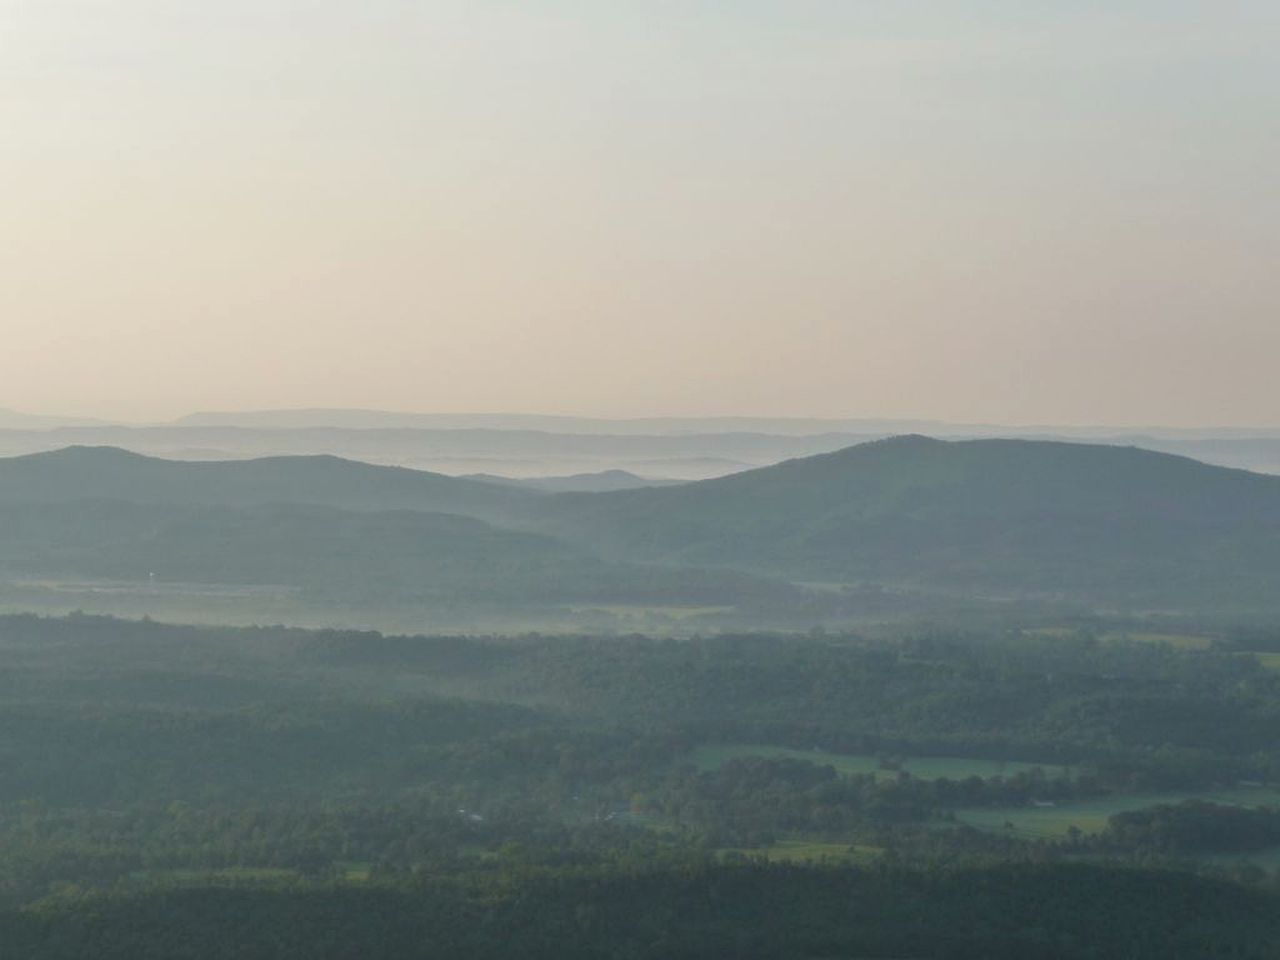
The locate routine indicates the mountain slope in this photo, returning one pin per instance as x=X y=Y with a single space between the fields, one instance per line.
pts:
x=1004 y=516
x=107 y=473
x=337 y=530
x=337 y=556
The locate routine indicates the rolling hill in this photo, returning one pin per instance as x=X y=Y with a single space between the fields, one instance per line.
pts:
x=339 y=557
x=108 y=473
x=980 y=519
x=995 y=517
x=338 y=531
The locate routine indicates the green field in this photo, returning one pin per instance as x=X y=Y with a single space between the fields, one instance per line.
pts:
x=1091 y=817
x=1182 y=641
x=711 y=756
x=350 y=871
x=1269 y=660
x=195 y=875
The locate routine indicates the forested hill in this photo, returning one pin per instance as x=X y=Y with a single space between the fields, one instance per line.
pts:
x=361 y=559
x=108 y=473
x=995 y=515
x=985 y=518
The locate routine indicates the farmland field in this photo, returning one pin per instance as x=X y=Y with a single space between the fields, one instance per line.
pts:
x=1269 y=660
x=1091 y=817
x=925 y=768
x=1180 y=641
x=349 y=872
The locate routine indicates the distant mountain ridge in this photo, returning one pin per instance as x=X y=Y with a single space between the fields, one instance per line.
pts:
x=17 y=420
x=680 y=425
x=509 y=453
x=604 y=480
x=657 y=426
x=528 y=446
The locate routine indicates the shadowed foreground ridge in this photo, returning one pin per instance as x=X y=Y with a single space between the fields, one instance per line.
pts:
x=214 y=792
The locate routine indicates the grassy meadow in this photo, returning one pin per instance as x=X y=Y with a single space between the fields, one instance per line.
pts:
x=712 y=756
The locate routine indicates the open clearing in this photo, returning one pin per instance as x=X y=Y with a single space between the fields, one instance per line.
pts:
x=925 y=768
x=1091 y=817
x=1183 y=641
x=350 y=871
x=1269 y=660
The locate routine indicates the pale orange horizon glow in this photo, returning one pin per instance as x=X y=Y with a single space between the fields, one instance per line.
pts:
x=1023 y=213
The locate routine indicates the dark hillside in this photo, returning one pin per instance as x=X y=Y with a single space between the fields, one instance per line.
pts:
x=687 y=911
x=337 y=556
x=108 y=473
x=992 y=515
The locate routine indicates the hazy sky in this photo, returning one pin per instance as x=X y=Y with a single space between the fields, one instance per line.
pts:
x=1028 y=210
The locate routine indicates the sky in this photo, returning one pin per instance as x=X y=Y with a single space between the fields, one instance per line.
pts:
x=1016 y=211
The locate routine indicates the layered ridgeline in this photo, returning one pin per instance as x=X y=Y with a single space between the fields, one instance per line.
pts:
x=989 y=519
x=996 y=517
x=600 y=482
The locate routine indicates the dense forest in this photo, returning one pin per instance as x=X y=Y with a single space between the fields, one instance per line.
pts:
x=218 y=792
x=681 y=910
